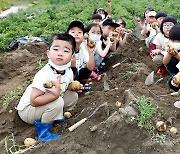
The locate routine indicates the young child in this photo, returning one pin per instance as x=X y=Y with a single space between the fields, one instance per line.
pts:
x=94 y=33
x=145 y=21
x=104 y=14
x=123 y=33
x=96 y=18
x=172 y=57
x=43 y=106
x=83 y=60
x=160 y=41
x=151 y=29
x=159 y=17
x=108 y=27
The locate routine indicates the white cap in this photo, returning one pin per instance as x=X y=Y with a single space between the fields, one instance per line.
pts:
x=152 y=14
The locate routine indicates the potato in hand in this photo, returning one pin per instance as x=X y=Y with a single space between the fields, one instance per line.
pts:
x=176 y=78
x=75 y=86
x=91 y=43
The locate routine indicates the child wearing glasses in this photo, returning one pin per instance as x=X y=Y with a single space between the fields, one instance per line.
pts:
x=172 y=57
x=160 y=41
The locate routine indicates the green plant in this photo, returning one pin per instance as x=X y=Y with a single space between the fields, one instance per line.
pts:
x=129 y=72
x=147 y=111
x=158 y=138
x=9 y=97
x=13 y=147
x=41 y=64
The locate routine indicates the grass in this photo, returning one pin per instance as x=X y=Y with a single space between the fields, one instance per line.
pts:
x=9 y=97
x=147 y=111
x=11 y=147
x=131 y=70
x=41 y=64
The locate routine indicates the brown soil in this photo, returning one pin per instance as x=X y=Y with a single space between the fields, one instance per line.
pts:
x=107 y=131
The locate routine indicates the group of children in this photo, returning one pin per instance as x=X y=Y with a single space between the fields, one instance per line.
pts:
x=78 y=54
x=162 y=37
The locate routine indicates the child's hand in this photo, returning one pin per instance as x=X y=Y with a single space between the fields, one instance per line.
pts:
x=171 y=50
x=89 y=48
x=154 y=25
x=138 y=20
x=156 y=52
x=55 y=91
x=128 y=32
x=73 y=61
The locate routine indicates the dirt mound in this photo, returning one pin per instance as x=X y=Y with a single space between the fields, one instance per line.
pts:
x=110 y=129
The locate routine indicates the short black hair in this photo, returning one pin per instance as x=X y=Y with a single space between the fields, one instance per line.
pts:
x=75 y=23
x=96 y=16
x=88 y=28
x=160 y=14
x=64 y=37
x=167 y=19
x=174 y=33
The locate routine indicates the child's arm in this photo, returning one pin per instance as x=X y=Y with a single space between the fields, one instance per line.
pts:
x=167 y=58
x=124 y=40
x=90 y=64
x=177 y=56
x=39 y=98
x=109 y=10
x=104 y=52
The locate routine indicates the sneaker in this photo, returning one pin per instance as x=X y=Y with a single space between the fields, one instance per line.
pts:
x=161 y=70
x=95 y=76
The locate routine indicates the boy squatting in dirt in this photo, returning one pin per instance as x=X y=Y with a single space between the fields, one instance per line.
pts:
x=42 y=106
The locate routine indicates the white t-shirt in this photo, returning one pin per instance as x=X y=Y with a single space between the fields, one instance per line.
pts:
x=82 y=57
x=160 y=40
x=41 y=77
x=151 y=30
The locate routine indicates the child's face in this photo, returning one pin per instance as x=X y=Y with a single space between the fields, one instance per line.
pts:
x=95 y=30
x=151 y=19
x=77 y=33
x=107 y=29
x=167 y=27
x=159 y=20
x=60 y=52
x=120 y=23
x=97 y=21
x=146 y=13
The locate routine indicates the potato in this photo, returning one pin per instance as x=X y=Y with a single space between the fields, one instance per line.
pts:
x=138 y=19
x=108 y=1
x=86 y=36
x=176 y=78
x=29 y=141
x=91 y=43
x=48 y=84
x=161 y=126
x=128 y=31
x=173 y=130
x=114 y=34
x=61 y=86
x=67 y=115
x=118 y=104
x=75 y=86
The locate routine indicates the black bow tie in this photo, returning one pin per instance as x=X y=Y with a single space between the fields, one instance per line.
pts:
x=62 y=73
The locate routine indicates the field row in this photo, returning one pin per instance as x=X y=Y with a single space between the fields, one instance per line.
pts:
x=50 y=16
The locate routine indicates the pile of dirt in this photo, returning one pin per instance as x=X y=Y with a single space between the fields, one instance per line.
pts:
x=110 y=129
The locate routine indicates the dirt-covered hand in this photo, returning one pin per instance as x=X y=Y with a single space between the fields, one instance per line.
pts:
x=171 y=50
x=176 y=78
x=56 y=90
